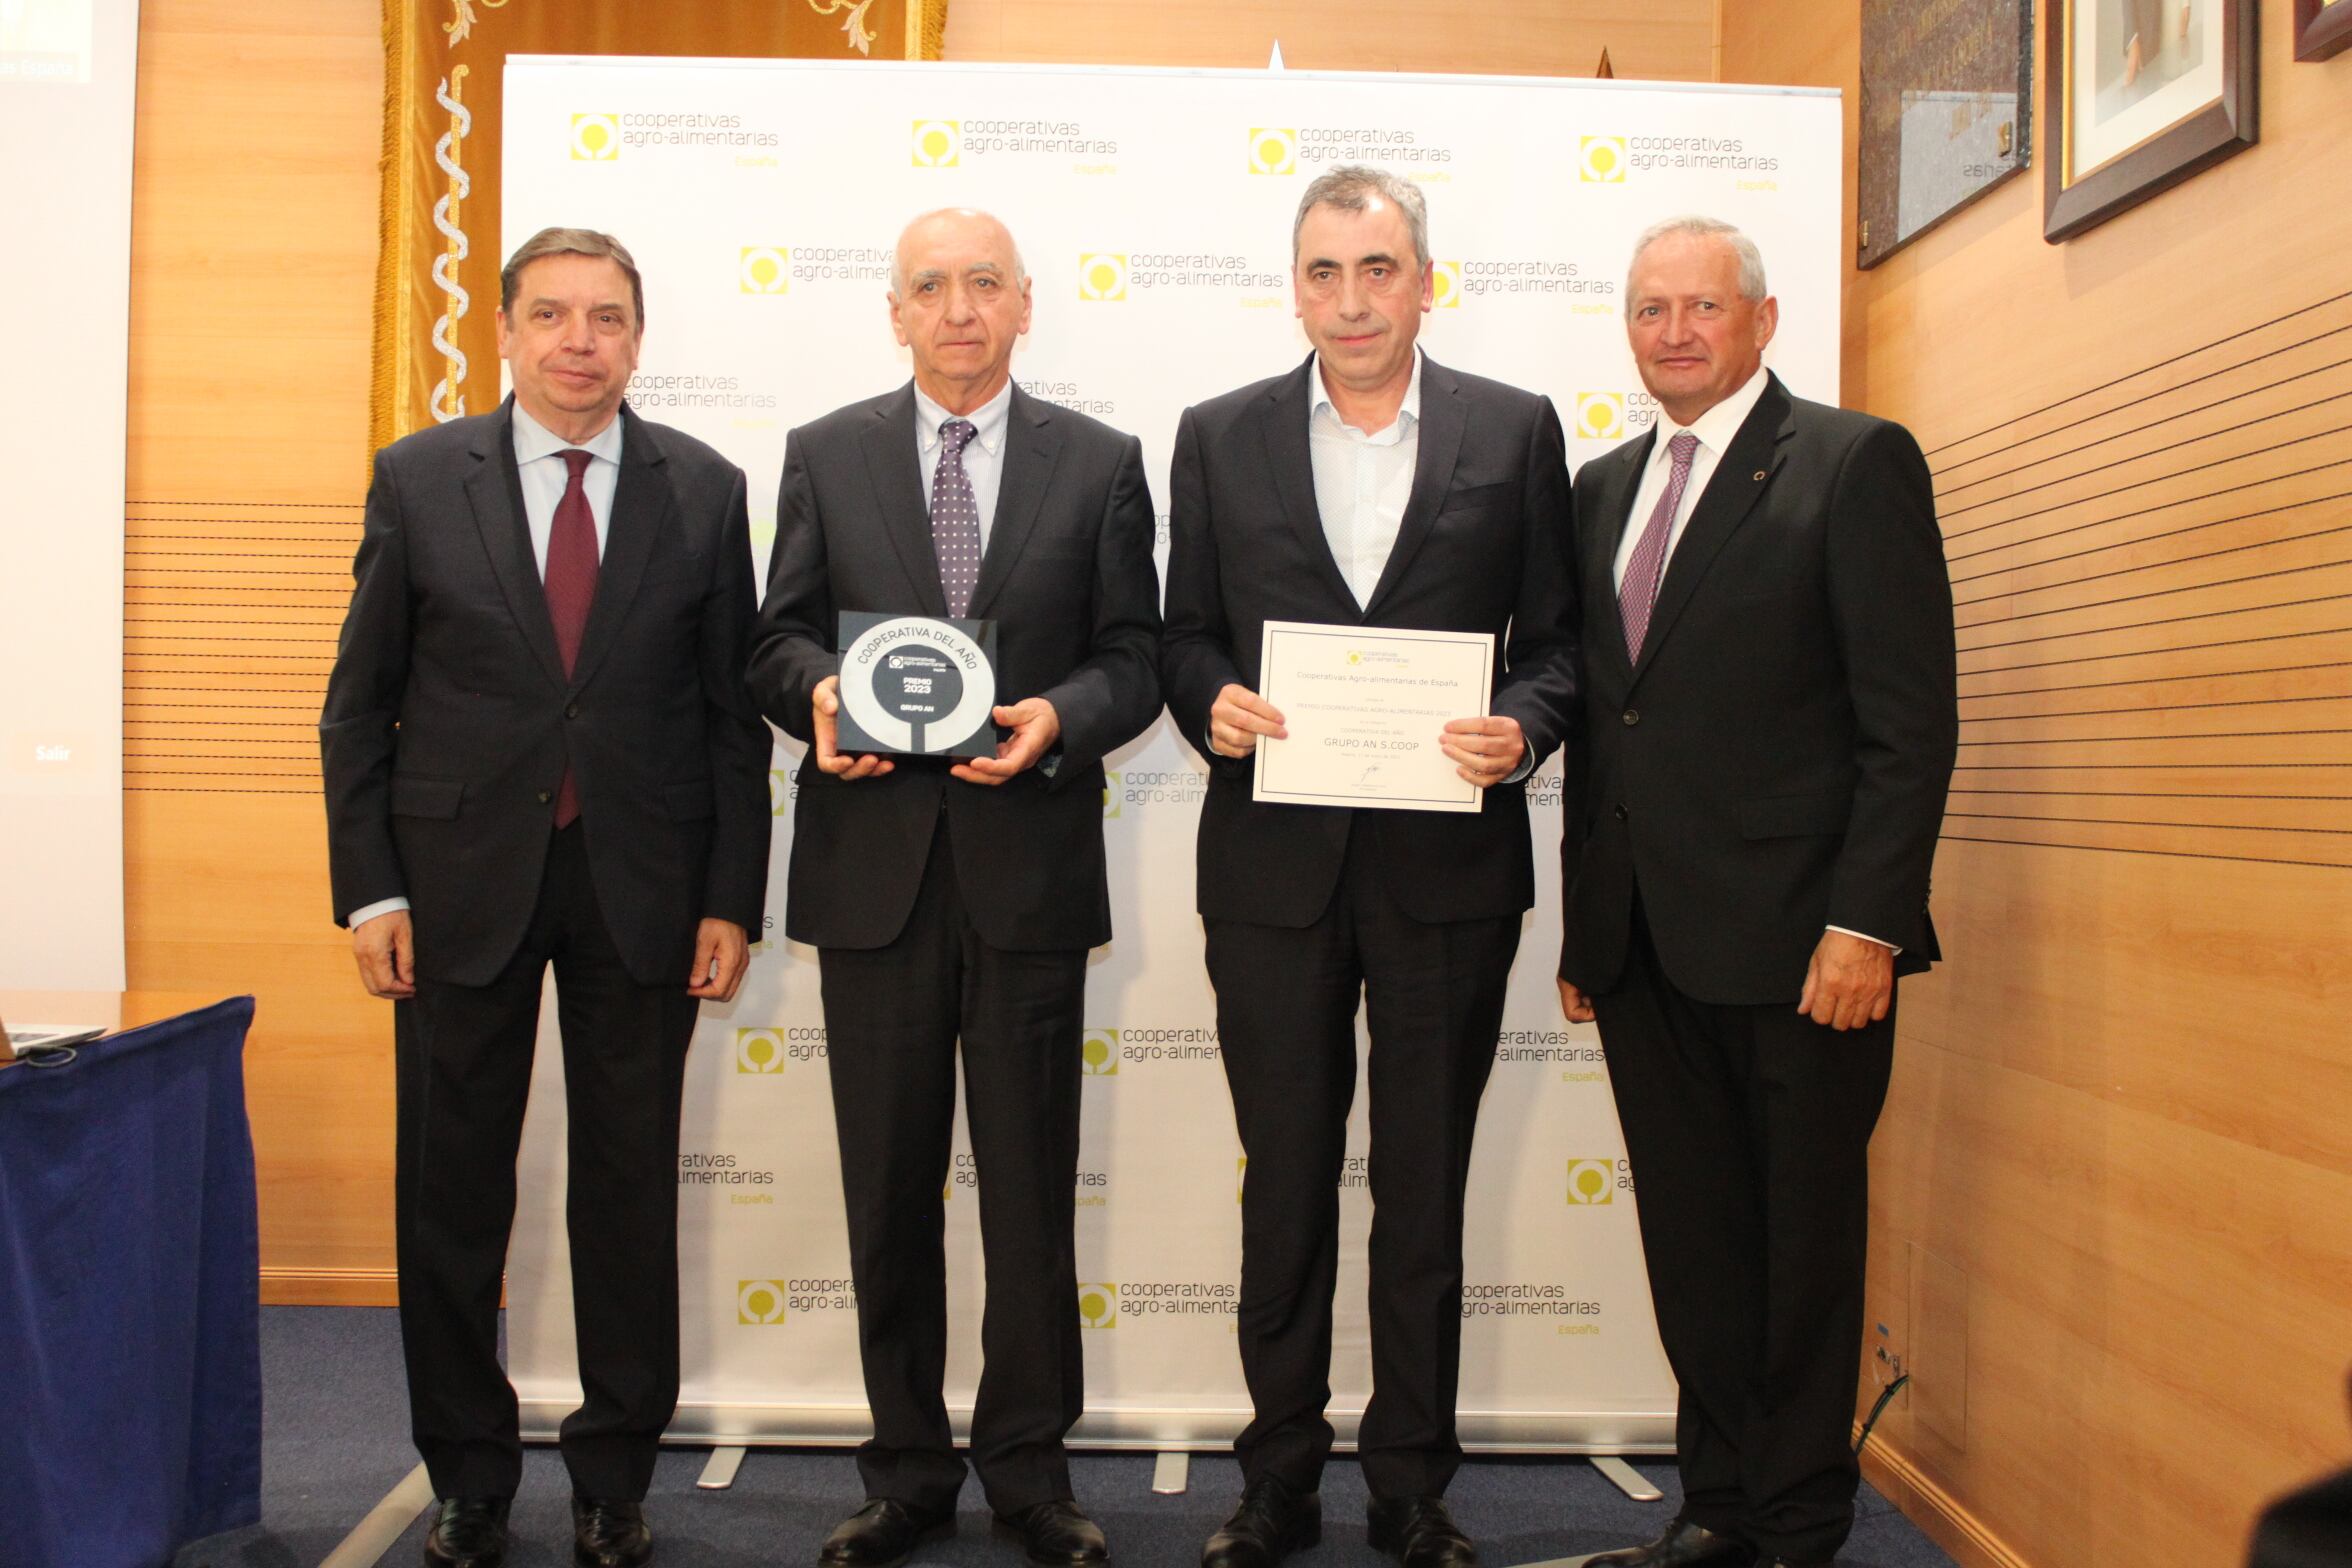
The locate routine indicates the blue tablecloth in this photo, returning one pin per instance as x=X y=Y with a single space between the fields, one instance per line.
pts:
x=130 y=1324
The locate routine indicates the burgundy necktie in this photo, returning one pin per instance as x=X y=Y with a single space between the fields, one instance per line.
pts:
x=571 y=587
x=1639 y=591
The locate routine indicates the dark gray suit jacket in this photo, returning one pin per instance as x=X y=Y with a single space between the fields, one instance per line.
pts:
x=1777 y=761
x=448 y=719
x=1068 y=579
x=1482 y=548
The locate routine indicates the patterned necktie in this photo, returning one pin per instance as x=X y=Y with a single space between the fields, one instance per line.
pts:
x=1639 y=592
x=955 y=518
x=570 y=582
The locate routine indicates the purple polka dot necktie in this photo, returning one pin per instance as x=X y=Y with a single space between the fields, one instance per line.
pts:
x=1638 y=593
x=955 y=518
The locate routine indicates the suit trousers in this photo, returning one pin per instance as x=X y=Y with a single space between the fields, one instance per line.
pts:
x=1748 y=1131
x=463 y=1057
x=893 y=1015
x=1286 y=1018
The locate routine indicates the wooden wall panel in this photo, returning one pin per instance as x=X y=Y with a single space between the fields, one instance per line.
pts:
x=1668 y=40
x=2118 y=1111
x=253 y=243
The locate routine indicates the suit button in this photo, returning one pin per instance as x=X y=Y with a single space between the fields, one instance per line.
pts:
x=572 y=710
x=545 y=796
x=1631 y=718
x=1619 y=809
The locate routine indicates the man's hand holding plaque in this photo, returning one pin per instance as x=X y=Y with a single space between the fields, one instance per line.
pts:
x=911 y=685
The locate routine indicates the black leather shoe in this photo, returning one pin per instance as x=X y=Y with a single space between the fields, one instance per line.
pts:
x=1274 y=1520
x=1684 y=1545
x=609 y=1535
x=1421 y=1531
x=880 y=1535
x=468 y=1532
x=1057 y=1534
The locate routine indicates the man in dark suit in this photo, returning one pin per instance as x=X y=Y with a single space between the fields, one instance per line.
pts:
x=1770 y=723
x=538 y=748
x=1369 y=487
x=949 y=901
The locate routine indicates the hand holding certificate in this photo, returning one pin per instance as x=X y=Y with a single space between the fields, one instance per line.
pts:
x=1364 y=708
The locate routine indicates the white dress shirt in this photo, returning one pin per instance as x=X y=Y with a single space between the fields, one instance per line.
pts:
x=983 y=454
x=1362 y=480
x=1714 y=428
x=539 y=461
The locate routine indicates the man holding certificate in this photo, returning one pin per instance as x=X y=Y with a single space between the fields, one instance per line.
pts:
x=953 y=532
x=1370 y=639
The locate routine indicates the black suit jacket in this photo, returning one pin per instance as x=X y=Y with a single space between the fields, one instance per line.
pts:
x=1068 y=578
x=1777 y=761
x=448 y=719
x=1482 y=548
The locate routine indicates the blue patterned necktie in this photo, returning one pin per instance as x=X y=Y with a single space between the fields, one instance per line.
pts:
x=955 y=518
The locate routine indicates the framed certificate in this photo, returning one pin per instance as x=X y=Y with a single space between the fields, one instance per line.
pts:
x=917 y=686
x=1364 y=707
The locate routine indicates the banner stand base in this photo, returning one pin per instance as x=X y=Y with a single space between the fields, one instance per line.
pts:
x=719 y=1474
x=1626 y=1478
x=1171 y=1474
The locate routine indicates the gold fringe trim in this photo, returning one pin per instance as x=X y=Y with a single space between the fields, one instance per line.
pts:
x=391 y=323
x=932 y=42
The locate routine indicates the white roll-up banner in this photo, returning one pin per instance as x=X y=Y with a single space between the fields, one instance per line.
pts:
x=1153 y=210
x=68 y=107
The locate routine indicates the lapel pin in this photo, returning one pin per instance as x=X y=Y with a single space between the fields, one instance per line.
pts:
x=1759 y=476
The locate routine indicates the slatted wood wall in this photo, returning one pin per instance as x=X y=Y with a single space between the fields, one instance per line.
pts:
x=253 y=242
x=2112 y=1191
x=2153 y=581
x=229 y=622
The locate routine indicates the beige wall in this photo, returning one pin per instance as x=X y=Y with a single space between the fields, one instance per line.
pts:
x=253 y=245
x=2112 y=1220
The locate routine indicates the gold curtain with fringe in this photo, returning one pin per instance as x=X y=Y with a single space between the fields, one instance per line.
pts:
x=436 y=354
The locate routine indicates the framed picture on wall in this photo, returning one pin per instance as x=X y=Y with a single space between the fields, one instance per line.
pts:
x=2322 y=27
x=2142 y=94
x=1947 y=113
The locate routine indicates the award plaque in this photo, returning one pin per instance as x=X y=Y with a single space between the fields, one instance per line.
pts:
x=914 y=685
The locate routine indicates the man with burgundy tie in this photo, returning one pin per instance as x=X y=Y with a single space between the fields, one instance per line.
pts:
x=539 y=749
x=960 y=901
x=1770 y=726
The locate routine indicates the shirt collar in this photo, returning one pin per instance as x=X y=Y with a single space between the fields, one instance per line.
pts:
x=533 y=440
x=989 y=420
x=1410 y=409
x=1719 y=424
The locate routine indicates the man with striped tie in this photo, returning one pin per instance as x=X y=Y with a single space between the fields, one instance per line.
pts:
x=1770 y=724
x=960 y=901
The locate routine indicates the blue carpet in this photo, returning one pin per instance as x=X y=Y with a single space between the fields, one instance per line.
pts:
x=335 y=1441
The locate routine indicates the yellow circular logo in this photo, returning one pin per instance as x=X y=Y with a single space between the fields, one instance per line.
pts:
x=596 y=138
x=1273 y=149
x=764 y=269
x=939 y=144
x=1102 y=275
